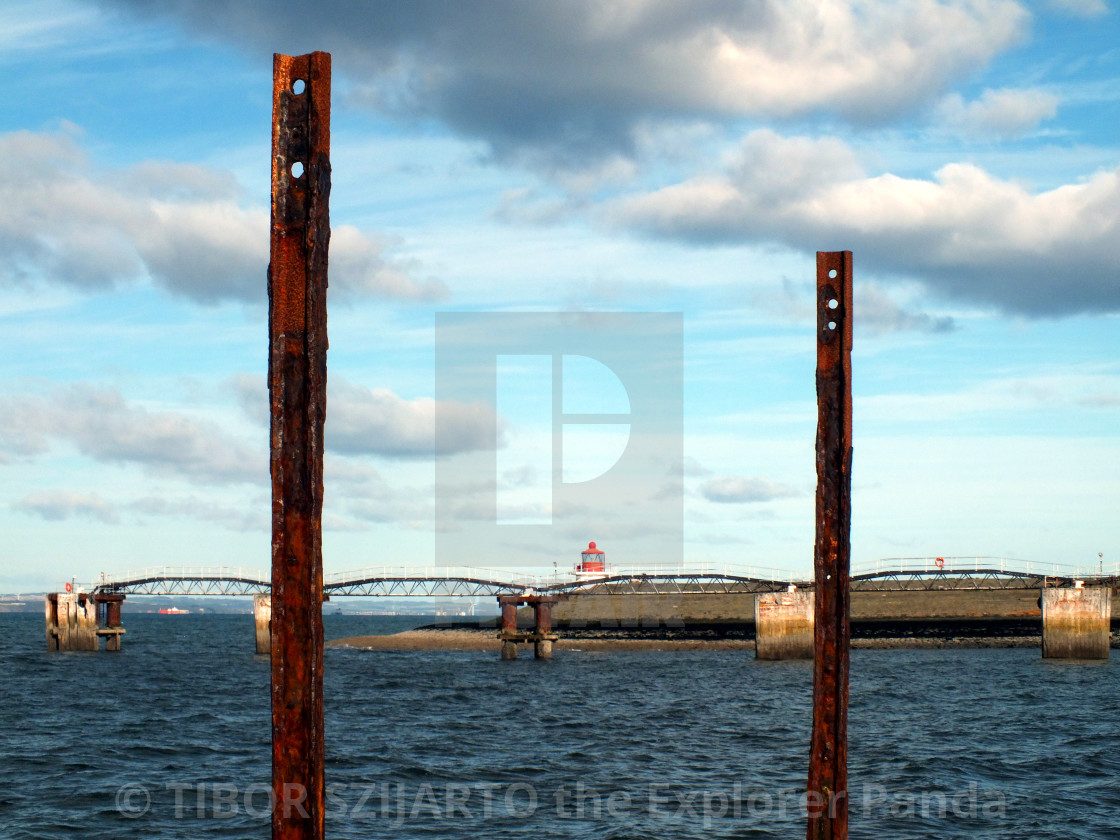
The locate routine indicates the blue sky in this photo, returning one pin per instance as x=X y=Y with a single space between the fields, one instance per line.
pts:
x=637 y=156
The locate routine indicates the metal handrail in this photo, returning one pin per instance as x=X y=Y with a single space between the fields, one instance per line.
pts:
x=886 y=565
x=983 y=563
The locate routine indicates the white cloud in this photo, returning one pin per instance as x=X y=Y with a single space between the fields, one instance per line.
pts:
x=879 y=313
x=182 y=226
x=740 y=490
x=964 y=232
x=375 y=421
x=102 y=425
x=57 y=505
x=569 y=80
x=1006 y=113
x=236 y=518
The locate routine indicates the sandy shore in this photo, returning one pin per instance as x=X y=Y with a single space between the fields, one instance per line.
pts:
x=457 y=639
x=424 y=639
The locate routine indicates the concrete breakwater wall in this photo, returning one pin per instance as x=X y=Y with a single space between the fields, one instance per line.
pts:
x=905 y=610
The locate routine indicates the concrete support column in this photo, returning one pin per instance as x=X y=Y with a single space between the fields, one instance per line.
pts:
x=542 y=646
x=1076 y=622
x=783 y=624
x=110 y=603
x=50 y=601
x=71 y=621
x=84 y=635
x=262 y=618
x=509 y=628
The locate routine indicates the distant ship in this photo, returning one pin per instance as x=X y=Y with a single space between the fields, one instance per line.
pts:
x=172 y=611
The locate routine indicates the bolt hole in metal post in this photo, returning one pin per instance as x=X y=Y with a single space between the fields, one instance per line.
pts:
x=297 y=170
x=298 y=86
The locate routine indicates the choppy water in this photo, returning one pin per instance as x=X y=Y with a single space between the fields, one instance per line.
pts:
x=170 y=739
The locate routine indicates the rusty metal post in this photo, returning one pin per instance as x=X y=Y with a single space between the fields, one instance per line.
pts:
x=297 y=382
x=828 y=758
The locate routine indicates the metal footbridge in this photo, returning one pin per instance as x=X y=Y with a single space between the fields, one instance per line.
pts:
x=888 y=574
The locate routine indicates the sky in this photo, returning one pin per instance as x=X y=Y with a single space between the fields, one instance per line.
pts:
x=593 y=158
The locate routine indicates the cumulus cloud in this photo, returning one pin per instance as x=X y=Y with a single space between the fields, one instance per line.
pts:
x=735 y=490
x=57 y=505
x=236 y=518
x=1006 y=113
x=964 y=233
x=878 y=313
x=102 y=425
x=184 y=227
x=376 y=421
x=572 y=79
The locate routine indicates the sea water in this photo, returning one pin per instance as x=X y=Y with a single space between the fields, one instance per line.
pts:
x=170 y=738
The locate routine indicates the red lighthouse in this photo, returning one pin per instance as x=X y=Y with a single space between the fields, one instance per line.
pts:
x=593 y=563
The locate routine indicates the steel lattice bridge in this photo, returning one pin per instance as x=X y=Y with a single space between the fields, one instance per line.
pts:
x=889 y=574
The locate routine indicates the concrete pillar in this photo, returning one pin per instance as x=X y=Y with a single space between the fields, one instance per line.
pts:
x=262 y=618
x=71 y=621
x=51 y=604
x=783 y=624
x=509 y=628
x=112 y=629
x=84 y=635
x=1076 y=622
x=542 y=645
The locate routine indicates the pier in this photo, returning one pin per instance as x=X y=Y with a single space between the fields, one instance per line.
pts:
x=80 y=620
x=1076 y=622
x=963 y=596
x=783 y=625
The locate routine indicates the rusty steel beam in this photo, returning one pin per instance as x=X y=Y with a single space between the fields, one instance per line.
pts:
x=827 y=796
x=297 y=386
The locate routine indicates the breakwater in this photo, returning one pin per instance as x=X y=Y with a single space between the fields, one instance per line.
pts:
x=936 y=614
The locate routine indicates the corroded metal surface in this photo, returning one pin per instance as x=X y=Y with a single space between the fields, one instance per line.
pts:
x=297 y=380
x=541 y=636
x=828 y=758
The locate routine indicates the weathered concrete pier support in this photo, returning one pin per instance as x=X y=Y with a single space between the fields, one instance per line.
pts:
x=1076 y=622
x=783 y=623
x=71 y=621
x=78 y=620
x=541 y=635
x=262 y=618
x=109 y=608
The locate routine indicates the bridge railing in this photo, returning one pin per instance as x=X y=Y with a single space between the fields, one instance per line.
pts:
x=185 y=573
x=1003 y=565
x=725 y=570
x=547 y=579
x=431 y=573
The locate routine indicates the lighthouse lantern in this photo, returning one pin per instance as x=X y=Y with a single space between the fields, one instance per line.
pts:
x=593 y=563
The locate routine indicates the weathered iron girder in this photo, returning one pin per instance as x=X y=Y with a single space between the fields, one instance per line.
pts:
x=423 y=587
x=297 y=385
x=827 y=798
